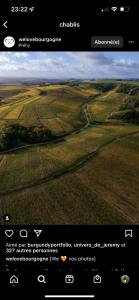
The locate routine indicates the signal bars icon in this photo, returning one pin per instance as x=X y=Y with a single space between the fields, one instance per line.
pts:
x=107 y=9
x=114 y=8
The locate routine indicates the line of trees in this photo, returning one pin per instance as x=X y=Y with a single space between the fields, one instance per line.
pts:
x=130 y=116
x=16 y=135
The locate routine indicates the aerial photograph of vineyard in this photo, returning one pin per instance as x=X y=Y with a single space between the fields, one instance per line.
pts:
x=69 y=138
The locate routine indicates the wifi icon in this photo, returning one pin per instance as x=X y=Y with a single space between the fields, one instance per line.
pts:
x=114 y=8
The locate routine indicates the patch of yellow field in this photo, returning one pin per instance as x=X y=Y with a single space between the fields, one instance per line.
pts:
x=2 y=122
x=30 y=100
x=3 y=108
x=96 y=107
x=51 y=87
x=53 y=124
x=29 y=92
x=86 y=92
x=65 y=125
x=76 y=90
x=11 y=87
x=108 y=94
x=15 y=113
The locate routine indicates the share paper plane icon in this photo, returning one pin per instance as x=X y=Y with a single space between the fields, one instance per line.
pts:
x=38 y=232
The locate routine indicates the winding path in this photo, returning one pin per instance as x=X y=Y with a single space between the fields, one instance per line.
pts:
x=74 y=166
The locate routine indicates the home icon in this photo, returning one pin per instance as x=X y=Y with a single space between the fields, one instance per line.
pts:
x=14 y=280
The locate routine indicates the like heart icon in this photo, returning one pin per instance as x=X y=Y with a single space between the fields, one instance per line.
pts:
x=9 y=232
x=63 y=258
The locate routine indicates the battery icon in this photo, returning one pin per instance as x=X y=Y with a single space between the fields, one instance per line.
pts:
x=125 y=9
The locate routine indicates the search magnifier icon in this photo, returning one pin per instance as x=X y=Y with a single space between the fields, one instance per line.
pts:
x=41 y=279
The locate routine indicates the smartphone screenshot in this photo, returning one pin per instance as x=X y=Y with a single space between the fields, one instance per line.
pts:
x=69 y=150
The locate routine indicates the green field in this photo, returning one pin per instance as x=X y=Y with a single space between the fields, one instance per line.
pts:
x=91 y=175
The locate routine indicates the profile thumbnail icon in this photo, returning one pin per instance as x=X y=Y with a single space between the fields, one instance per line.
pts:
x=9 y=42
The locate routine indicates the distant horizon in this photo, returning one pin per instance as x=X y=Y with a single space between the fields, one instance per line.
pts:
x=65 y=79
x=7 y=79
x=65 y=65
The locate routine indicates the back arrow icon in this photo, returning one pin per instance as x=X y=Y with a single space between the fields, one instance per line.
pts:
x=5 y=24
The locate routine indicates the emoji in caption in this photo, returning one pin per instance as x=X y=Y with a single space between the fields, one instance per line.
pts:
x=63 y=258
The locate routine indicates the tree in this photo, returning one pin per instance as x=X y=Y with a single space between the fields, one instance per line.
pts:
x=16 y=134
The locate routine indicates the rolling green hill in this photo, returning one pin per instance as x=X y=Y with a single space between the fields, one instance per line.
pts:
x=87 y=171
